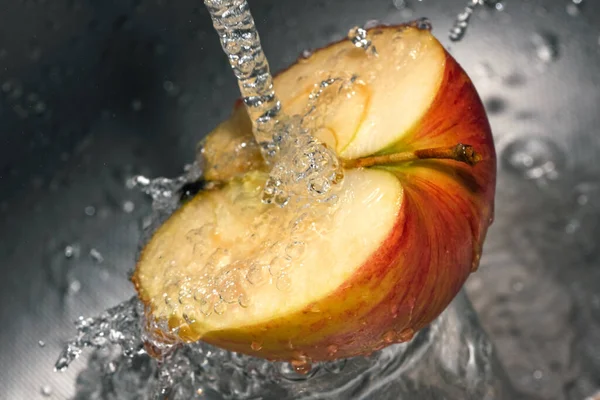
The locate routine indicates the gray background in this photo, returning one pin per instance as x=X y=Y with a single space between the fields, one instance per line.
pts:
x=92 y=92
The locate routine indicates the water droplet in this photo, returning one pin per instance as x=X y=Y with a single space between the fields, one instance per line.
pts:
x=74 y=287
x=301 y=367
x=572 y=226
x=546 y=46
x=35 y=52
x=400 y=4
x=136 y=105
x=244 y=300
x=39 y=107
x=306 y=54
x=128 y=206
x=284 y=283
x=72 y=251
x=534 y=158
x=279 y=265
x=574 y=8
x=406 y=335
x=332 y=350
x=423 y=24
x=41 y=343
x=389 y=337
x=188 y=314
x=220 y=307
x=518 y=285
x=458 y=31
x=295 y=250
x=171 y=89
x=256 y=346
x=96 y=256
x=538 y=374
x=359 y=38
x=46 y=391
x=90 y=211
x=257 y=274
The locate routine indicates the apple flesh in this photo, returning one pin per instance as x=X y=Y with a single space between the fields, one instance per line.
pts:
x=406 y=232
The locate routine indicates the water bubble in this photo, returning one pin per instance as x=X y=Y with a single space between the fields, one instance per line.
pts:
x=538 y=374
x=284 y=283
x=534 y=158
x=295 y=250
x=90 y=211
x=278 y=265
x=244 y=300
x=41 y=343
x=220 y=307
x=546 y=46
x=257 y=274
x=96 y=256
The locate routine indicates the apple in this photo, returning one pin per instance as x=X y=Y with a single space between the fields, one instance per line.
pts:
x=370 y=269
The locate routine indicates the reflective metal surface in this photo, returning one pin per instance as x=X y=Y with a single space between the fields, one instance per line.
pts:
x=92 y=92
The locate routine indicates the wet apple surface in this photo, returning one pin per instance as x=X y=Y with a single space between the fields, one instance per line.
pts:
x=367 y=269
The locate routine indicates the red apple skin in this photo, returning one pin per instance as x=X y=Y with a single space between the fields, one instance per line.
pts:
x=421 y=266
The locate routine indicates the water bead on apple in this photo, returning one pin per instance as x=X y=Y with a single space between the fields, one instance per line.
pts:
x=338 y=232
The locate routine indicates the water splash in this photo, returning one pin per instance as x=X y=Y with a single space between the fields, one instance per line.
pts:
x=280 y=138
x=463 y=19
x=535 y=158
x=120 y=367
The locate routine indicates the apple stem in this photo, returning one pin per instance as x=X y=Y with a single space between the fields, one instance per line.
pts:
x=461 y=153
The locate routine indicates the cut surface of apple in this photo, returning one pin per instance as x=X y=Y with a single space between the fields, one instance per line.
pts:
x=352 y=275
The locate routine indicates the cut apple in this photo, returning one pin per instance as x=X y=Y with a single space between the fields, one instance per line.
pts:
x=348 y=278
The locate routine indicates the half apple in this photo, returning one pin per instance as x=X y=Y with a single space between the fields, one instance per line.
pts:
x=371 y=268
